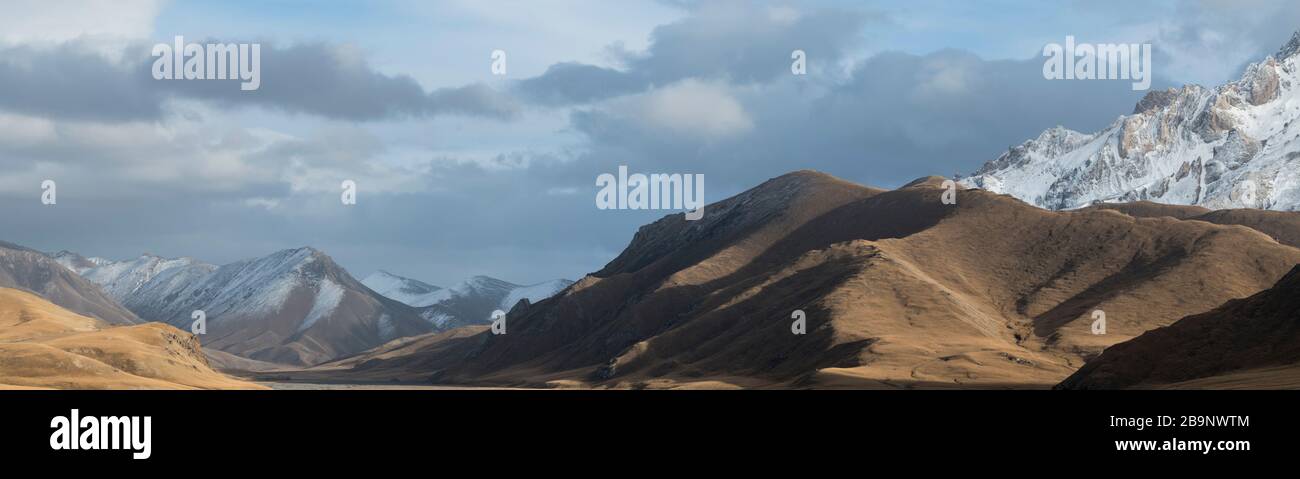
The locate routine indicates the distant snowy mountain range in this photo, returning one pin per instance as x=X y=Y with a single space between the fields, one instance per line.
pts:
x=295 y=306
x=470 y=302
x=53 y=279
x=1235 y=146
x=409 y=291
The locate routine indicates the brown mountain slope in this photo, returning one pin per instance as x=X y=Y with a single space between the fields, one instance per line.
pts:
x=900 y=290
x=1228 y=345
x=1148 y=209
x=45 y=346
x=1283 y=226
x=30 y=270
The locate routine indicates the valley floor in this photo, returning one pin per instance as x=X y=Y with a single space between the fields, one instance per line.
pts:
x=335 y=379
x=314 y=386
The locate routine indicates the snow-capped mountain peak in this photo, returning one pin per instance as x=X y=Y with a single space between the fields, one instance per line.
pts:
x=482 y=285
x=470 y=302
x=405 y=290
x=121 y=279
x=534 y=292
x=77 y=263
x=1234 y=146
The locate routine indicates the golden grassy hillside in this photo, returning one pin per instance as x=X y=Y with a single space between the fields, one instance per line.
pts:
x=45 y=346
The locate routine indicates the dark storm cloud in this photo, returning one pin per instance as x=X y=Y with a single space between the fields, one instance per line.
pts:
x=325 y=80
x=69 y=81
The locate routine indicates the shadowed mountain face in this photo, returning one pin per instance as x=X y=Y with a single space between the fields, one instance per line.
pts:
x=898 y=288
x=1262 y=331
x=30 y=270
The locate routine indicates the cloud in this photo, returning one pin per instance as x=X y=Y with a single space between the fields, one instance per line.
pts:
x=57 y=21
x=204 y=155
x=69 y=80
x=947 y=112
x=689 y=108
x=570 y=82
x=727 y=41
x=742 y=43
x=897 y=117
x=1209 y=42
x=104 y=160
x=336 y=82
x=713 y=94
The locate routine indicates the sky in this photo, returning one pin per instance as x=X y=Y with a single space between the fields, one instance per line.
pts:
x=462 y=172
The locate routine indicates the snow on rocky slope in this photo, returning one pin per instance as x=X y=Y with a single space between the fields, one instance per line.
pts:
x=297 y=306
x=1235 y=146
x=534 y=292
x=122 y=279
x=77 y=263
x=409 y=291
x=470 y=302
x=294 y=306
